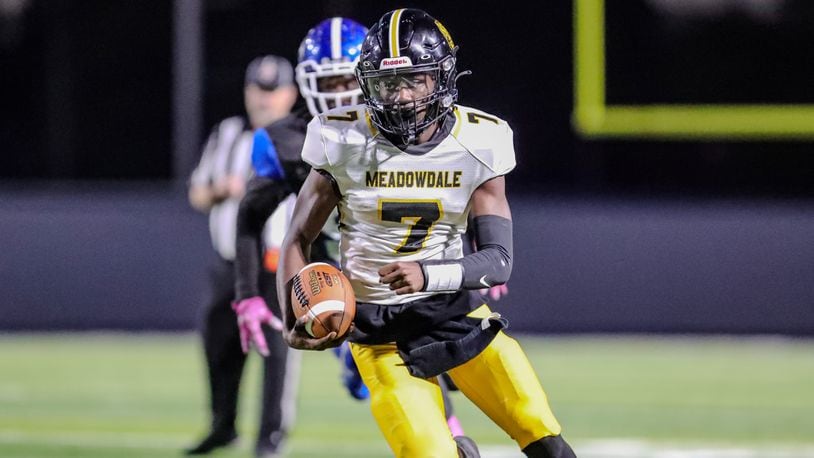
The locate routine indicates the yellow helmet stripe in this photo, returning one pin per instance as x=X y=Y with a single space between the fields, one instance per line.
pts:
x=395 y=19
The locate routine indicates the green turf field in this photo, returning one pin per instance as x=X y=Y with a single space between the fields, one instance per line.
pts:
x=142 y=395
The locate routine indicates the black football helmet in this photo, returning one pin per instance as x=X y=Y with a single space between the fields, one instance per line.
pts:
x=407 y=49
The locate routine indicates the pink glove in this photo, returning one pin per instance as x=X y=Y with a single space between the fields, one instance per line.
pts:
x=495 y=292
x=252 y=312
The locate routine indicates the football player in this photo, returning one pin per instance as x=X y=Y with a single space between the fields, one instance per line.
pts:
x=325 y=74
x=405 y=170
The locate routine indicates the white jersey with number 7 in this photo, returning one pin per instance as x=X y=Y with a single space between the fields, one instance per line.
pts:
x=398 y=206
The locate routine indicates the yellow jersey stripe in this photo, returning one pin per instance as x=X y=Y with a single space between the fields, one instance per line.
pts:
x=458 y=123
x=395 y=19
x=373 y=129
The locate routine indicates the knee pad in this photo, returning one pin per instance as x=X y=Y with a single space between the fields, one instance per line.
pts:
x=549 y=447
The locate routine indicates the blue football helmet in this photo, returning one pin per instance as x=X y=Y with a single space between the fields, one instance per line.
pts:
x=330 y=49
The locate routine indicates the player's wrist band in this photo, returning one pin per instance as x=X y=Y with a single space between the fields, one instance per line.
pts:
x=442 y=277
x=489 y=266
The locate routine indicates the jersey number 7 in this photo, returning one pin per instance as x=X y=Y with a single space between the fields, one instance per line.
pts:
x=419 y=215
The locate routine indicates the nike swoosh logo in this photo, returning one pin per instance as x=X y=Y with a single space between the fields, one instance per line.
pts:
x=484 y=282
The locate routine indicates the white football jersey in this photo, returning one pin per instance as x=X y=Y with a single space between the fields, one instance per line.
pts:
x=398 y=206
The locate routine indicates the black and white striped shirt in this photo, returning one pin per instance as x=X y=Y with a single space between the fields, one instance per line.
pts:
x=228 y=152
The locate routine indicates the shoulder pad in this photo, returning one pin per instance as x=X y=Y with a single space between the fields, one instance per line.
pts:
x=264 y=156
x=348 y=119
x=291 y=122
x=487 y=137
x=331 y=134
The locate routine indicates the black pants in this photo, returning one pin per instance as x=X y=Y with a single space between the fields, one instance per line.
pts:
x=225 y=360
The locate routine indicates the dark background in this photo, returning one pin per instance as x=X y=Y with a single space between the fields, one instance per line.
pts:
x=611 y=235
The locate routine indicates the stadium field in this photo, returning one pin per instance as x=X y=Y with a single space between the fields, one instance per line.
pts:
x=142 y=395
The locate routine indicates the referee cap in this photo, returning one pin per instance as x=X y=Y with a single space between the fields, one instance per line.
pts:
x=269 y=72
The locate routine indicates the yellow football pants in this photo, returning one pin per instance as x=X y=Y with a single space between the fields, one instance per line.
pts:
x=410 y=410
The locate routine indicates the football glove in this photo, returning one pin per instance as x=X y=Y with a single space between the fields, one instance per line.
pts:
x=252 y=313
x=495 y=292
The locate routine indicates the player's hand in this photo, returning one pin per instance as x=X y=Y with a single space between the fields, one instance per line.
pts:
x=403 y=277
x=495 y=292
x=252 y=313
x=235 y=186
x=228 y=186
x=297 y=337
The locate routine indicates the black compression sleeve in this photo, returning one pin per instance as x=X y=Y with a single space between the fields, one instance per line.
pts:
x=263 y=195
x=492 y=263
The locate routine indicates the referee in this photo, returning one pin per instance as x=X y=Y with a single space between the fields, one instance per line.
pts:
x=216 y=186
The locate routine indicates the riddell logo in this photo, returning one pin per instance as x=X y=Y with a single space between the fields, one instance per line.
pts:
x=395 y=62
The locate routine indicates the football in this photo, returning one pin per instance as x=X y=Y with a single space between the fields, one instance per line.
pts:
x=322 y=292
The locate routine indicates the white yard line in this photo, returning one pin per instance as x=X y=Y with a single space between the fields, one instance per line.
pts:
x=154 y=441
x=93 y=439
x=610 y=448
x=634 y=448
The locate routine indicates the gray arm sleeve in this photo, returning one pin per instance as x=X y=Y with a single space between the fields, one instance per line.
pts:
x=490 y=265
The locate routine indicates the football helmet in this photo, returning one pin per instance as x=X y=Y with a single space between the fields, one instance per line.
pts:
x=330 y=49
x=407 y=73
